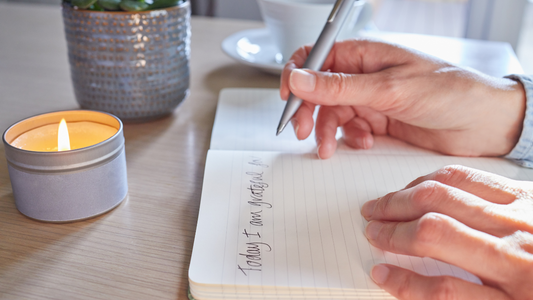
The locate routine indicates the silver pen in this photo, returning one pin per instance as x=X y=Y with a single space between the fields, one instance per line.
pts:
x=319 y=53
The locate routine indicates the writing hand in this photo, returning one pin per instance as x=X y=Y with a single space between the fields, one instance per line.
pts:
x=377 y=88
x=476 y=220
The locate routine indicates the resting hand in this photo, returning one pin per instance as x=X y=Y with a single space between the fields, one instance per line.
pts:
x=476 y=220
x=377 y=88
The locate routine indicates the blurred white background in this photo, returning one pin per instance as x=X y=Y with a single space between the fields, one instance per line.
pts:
x=502 y=20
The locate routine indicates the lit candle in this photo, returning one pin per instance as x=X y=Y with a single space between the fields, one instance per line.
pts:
x=66 y=170
x=81 y=134
x=63 y=139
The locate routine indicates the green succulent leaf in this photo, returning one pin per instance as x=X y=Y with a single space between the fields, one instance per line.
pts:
x=125 y=5
x=110 y=4
x=83 y=4
x=96 y=7
x=157 y=4
x=132 y=5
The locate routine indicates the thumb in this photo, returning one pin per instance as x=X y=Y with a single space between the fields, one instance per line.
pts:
x=331 y=89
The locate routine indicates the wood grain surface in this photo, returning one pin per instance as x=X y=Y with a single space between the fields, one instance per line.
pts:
x=141 y=249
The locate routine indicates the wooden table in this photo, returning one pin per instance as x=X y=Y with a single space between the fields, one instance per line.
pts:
x=141 y=249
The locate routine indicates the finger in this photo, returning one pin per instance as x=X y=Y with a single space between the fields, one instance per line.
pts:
x=333 y=89
x=363 y=73
x=521 y=239
x=367 y=56
x=296 y=61
x=489 y=186
x=405 y=284
x=357 y=134
x=378 y=122
x=362 y=56
x=444 y=238
x=327 y=122
x=303 y=121
x=432 y=196
x=284 y=90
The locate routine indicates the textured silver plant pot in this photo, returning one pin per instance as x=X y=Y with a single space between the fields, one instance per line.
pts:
x=134 y=65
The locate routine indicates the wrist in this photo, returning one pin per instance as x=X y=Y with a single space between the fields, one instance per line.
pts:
x=523 y=149
x=517 y=104
x=499 y=118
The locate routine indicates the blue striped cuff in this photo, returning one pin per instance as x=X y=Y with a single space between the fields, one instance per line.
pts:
x=522 y=153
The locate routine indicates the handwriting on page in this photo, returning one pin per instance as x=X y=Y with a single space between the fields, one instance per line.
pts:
x=291 y=222
x=254 y=247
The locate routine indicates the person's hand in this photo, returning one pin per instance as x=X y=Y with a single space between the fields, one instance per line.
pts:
x=476 y=220
x=377 y=88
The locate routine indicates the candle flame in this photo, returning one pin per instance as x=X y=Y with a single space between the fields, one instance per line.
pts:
x=63 y=140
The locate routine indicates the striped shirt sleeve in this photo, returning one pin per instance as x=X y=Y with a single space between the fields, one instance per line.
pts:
x=522 y=153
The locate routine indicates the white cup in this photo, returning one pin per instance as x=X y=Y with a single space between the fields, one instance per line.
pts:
x=294 y=23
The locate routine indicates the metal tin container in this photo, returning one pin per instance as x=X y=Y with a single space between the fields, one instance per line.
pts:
x=134 y=65
x=67 y=185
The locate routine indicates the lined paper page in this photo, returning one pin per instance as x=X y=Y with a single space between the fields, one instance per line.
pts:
x=247 y=119
x=298 y=220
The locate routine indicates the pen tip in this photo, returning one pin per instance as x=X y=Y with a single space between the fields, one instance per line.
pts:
x=280 y=129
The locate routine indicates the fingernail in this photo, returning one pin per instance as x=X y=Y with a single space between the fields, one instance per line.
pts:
x=379 y=274
x=318 y=151
x=302 y=80
x=296 y=126
x=318 y=142
x=372 y=230
x=365 y=143
x=368 y=209
x=360 y=143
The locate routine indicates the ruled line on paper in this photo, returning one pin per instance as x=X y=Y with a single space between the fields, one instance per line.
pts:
x=314 y=226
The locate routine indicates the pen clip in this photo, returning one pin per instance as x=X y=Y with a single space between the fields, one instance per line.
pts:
x=334 y=10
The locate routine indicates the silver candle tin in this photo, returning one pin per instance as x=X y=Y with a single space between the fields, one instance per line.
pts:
x=68 y=185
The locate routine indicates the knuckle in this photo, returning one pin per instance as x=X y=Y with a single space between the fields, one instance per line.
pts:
x=392 y=87
x=426 y=195
x=337 y=85
x=526 y=187
x=390 y=84
x=405 y=288
x=300 y=54
x=515 y=250
x=390 y=236
x=445 y=289
x=430 y=230
x=383 y=206
x=452 y=174
x=519 y=240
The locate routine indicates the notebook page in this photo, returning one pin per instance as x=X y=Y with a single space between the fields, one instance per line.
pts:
x=247 y=119
x=283 y=221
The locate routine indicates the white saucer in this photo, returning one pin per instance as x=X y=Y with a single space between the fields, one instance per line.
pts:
x=254 y=47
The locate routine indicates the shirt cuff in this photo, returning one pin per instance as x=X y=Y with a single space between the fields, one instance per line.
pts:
x=522 y=153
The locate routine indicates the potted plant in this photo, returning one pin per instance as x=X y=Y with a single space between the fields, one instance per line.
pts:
x=129 y=57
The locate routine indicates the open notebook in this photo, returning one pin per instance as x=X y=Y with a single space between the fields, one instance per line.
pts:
x=276 y=222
